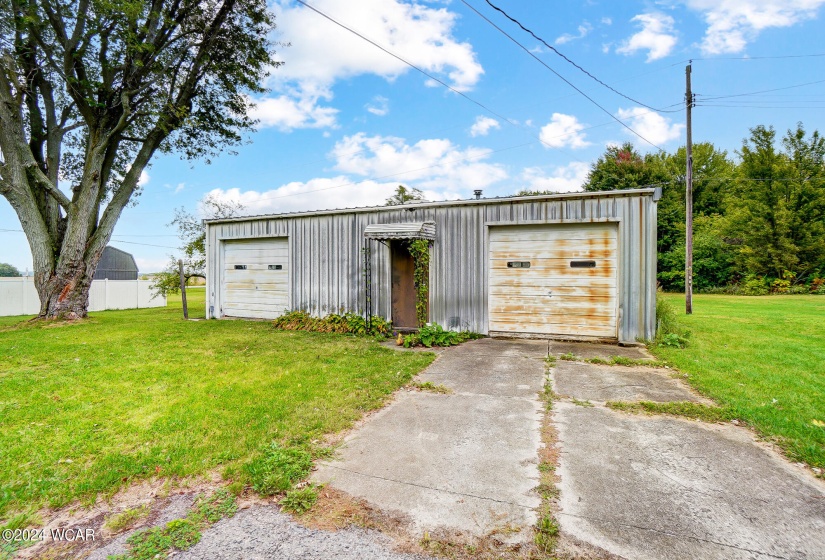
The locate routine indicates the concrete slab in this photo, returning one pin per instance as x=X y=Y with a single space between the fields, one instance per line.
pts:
x=466 y=461
x=664 y=488
x=502 y=347
x=617 y=383
x=588 y=350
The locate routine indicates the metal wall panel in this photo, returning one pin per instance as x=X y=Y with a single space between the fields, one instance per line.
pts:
x=326 y=254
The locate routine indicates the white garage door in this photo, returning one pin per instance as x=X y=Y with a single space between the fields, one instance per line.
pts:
x=554 y=280
x=255 y=278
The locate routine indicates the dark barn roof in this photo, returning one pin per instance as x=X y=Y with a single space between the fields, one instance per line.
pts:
x=116 y=265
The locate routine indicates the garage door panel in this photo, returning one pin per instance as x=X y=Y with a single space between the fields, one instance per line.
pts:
x=562 y=237
x=583 y=300
x=255 y=291
x=538 y=272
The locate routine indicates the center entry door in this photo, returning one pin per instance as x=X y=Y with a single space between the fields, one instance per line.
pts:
x=559 y=280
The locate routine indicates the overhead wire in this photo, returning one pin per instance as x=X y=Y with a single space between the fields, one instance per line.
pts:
x=562 y=55
x=568 y=82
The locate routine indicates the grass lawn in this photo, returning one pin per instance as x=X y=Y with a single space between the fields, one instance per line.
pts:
x=127 y=395
x=764 y=359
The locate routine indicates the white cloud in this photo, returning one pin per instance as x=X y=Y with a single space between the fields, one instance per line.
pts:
x=483 y=125
x=653 y=126
x=428 y=164
x=380 y=106
x=143 y=179
x=656 y=36
x=147 y=265
x=563 y=130
x=733 y=23
x=179 y=187
x=582 y=32
x=607 y=21
x=321 y=53
x=286 y=112
x=566 y=178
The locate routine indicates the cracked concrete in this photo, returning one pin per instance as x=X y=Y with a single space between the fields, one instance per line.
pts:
x=465 y=461
x=656 y=487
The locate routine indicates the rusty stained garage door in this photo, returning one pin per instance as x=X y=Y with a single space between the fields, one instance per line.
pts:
x=255 y=278
x=554 y=280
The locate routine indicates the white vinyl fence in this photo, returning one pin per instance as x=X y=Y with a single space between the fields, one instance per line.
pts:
x=19 y=297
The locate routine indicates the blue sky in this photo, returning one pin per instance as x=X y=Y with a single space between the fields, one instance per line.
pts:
x=344 y=123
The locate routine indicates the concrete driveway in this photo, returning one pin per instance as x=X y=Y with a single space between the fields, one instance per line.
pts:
x=466 y=461
x=657 y=487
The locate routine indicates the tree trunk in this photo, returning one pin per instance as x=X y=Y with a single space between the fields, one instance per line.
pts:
x=64 y=294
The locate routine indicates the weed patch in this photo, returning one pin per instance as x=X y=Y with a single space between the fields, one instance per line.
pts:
x=278 y=468
x=669 y=330
x=569 y=357
x=431 y=387
x=301 y=500
x=585 y=404
x=433 y=334
x=347 y=323
x=180 y=534
x=628 y=362
x=685 y=409
x=125 y=519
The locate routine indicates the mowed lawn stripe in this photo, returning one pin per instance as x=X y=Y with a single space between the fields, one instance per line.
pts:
x=87 y=408
x=764 y=358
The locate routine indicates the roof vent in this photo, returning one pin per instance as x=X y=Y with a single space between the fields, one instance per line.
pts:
x=477 y=192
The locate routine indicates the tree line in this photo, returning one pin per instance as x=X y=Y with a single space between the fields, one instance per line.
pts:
x=759 y=217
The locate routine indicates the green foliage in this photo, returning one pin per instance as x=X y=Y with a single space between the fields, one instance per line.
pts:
x=762 y=360
x=403 y=195
x=277 y=468
x=347 y=323
x=687 y=409
x=125 y=519
x=776 y=208
x=622 y=167
x=192 y=235
x=9 y=271
x=547 y=532
x=713 y=258
x=755 y=286
x=301 y=500
x=210 y=510
x=669 y=329
x=420 y=251
x=180 y=534
x=120 y=403
x=434 y=334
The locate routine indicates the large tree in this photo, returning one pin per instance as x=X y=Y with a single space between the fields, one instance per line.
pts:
x=776 y=208
x=90 y=90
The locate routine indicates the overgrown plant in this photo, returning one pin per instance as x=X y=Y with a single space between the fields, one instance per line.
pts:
x=434 y=334
x=420 y=251
x=347 y=323
x=669 y=331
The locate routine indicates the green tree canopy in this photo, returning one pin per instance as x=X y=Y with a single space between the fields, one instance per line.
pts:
x=776 y=208
x=90 y=90
x=403 y=195
x=8 y=271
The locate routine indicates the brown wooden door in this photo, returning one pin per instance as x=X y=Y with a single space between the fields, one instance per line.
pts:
x=402 y=278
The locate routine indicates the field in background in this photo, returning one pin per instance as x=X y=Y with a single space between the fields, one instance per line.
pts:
x=764 y=359
x=87 y=408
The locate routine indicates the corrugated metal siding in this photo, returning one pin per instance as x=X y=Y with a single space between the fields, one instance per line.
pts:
x=327 y=260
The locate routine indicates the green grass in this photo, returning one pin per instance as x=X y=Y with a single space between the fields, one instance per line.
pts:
x=87 y=408
x=763 y=360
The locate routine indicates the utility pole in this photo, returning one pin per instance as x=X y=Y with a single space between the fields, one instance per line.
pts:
x=689 y=196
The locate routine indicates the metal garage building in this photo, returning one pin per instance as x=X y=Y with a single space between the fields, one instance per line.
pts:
x=573 y=265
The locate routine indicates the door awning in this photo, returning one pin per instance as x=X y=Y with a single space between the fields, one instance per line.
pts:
x=409 y=230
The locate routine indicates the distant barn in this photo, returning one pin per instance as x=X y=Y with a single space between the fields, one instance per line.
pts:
x=116 y=265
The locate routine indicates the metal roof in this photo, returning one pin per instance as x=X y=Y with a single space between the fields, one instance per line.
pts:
x=410 y=230
x=473 y=201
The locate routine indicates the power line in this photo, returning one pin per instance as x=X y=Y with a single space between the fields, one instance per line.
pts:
x=762 y=57
x=555 y=50
x=568 y=82
x=704 y=98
